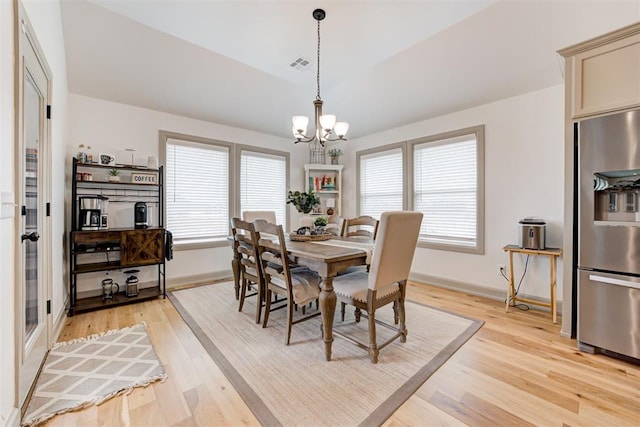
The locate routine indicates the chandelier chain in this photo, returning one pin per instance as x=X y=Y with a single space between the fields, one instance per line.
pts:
x=318 y=64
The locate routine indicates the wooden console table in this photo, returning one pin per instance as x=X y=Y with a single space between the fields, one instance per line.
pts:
x=553 y=254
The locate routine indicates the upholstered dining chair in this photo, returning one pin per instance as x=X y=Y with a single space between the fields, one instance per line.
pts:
x=250 y=216
x=353 y=227
x=245 y=243
x=386 y=280
x=299 y=286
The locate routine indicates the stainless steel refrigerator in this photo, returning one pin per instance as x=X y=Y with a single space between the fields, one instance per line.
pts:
x=609 y=234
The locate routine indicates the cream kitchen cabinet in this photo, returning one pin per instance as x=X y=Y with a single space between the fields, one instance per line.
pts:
x=603 y=74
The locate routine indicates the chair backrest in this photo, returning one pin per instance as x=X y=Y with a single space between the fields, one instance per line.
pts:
x=358 y=222
x=245 y=243
x=394 y=248
x=250 y=216
x=273 y=252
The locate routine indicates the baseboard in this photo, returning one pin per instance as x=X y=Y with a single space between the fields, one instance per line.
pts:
x=58 y=322
x=13 y=420
x=199 y=279
x=470 y=288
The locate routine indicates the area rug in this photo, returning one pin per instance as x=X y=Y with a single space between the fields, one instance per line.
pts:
x=88 y=371
x=294 y=385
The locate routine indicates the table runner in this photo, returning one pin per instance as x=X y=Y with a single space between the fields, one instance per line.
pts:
x=367 y=247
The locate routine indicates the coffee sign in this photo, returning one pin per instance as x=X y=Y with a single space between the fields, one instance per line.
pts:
x=144 y=178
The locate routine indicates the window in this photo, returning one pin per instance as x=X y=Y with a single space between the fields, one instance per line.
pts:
x=448 y=179
x=381 y=181
x=263 y=182
x=442 y=177
x=207 y=182
x=197 y=189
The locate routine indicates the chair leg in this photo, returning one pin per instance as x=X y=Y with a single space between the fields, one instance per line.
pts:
x=243 y=292
x=358 y=314
x=373 y=345
x=259 y=302
x=342 y=310
x=289 y=321
x=267 y=307
x=395 y=312
x=402 y=326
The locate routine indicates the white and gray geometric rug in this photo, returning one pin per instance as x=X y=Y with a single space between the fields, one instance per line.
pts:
x=88 y=371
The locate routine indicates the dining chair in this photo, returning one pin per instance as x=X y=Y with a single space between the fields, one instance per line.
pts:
x=245 y=244
x=250 y=216
x=386 y=280
x=352 y=227
x=300 y=286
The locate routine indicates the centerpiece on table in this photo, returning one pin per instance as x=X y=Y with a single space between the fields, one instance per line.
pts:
x=305 y=202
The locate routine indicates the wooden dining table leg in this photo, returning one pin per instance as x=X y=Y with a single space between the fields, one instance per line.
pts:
x=328 y=309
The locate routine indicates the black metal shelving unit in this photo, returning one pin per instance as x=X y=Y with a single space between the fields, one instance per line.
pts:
x=115 y=243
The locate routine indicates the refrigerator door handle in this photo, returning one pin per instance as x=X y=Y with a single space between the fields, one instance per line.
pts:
x=612 y=281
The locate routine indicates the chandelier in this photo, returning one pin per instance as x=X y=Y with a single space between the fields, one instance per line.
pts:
x=327 y=129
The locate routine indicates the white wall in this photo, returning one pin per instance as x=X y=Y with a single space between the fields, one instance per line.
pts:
x=524 y=140
x=7 y=240
x=111 y=127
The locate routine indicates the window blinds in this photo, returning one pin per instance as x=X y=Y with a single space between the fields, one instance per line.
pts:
x=381 y=182
x=197 y=189
x=263 y=183
x=445 y=190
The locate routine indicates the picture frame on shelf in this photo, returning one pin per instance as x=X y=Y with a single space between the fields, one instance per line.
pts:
x=106 y=159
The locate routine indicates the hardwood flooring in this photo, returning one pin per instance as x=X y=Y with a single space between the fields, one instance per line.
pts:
x=517 y=370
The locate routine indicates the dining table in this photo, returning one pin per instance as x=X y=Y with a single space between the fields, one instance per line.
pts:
x=328 y=258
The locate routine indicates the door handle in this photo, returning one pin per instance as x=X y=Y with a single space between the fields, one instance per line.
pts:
x=612 y=281
x=33 y=236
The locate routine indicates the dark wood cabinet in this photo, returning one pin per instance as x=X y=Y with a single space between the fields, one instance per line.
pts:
x=141 y=247
x=121 y=249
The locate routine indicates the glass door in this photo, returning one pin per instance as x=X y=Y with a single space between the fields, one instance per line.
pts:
x=33 y=233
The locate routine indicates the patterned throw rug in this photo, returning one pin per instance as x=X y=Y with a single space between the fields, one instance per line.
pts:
x=294 y=385
x=90 y=370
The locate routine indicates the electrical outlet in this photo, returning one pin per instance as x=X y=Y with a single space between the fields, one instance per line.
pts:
x=501 y=269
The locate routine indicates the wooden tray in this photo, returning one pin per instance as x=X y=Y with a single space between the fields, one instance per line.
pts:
x=311 y=237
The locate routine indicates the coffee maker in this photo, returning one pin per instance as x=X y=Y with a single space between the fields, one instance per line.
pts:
x=140 y=215
x=91 y=212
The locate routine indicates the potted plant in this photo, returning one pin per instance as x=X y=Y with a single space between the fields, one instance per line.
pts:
x=334 y=154
x=304 y=202
x=319 y=224
x=114 y=175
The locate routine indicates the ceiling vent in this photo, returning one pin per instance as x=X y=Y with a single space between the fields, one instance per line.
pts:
x=300 y=64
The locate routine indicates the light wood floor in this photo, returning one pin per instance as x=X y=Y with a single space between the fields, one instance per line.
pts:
x=516 y=370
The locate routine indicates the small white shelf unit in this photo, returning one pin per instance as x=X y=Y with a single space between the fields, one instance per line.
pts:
x=326 y=182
